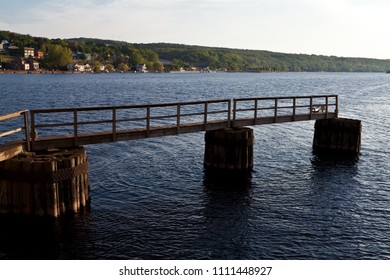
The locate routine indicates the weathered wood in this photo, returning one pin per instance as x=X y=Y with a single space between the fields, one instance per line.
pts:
x=10 y=132
x=28 y=190
x=11 y=150
x=39 y=193
x=45 y=184
x=337 y=136
x=63 y=190
x=5 y=191
x=229 y=149
x=75 y=198
x=27 y=131
x=12 y=115
x=51 y=190
x=68 y=187
x=17 y=187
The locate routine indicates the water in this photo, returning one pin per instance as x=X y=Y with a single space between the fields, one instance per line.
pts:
x=151 y=198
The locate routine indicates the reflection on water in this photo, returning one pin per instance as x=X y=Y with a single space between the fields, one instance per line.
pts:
x=227 y=203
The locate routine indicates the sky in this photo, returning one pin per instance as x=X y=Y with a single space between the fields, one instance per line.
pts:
x=349 y=28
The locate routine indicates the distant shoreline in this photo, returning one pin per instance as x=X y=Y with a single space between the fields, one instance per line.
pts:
x=16 y=72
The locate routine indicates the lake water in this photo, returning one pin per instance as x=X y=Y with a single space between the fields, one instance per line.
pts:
x=151 y=198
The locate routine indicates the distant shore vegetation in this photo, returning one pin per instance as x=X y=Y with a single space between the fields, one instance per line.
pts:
x=159 y=57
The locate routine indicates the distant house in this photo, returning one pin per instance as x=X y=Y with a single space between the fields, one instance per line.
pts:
x=82 y=56
x=191 y=69
x=79 y=67
x=34 y=65
x=167 y=64
x=29 y=52
x=39 y=55
x=4 y=46
x=20 y=64
x=13 y=50
x=139 y=68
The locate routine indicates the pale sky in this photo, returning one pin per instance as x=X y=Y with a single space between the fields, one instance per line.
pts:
x=350 y=28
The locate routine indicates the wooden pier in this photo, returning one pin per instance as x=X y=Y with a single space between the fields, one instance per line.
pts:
x=93 y=125
x=229 y=144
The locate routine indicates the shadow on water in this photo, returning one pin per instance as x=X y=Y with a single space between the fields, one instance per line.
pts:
x=227 y=202
x=40 y=238
x=335 y=211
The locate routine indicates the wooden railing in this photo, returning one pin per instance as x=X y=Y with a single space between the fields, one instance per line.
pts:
x=91 y=125
x=266 y=110
x=12 y=148
x=66 y=127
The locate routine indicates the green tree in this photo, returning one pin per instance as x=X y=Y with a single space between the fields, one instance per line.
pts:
x=58 y=56
x=123 y=67
x=96 y=66
x=109 y=68
x=155 y=67
x=135 y=57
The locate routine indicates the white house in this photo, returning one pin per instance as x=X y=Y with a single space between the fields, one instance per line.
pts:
x=79 y=67
x=3 y=46
x=141 y=68
x=29 y=52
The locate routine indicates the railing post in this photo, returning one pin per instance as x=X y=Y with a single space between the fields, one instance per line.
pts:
x=178 y=119
x=147 y=121
x=311 y=107
x=337 y=106
x=294 y=107
x=234 y=112
x=205 y=115
x=75 y=123
x=114 y=124
x=255 y=113
x=26 y=131
x=33 y=132
x=229 y=110
x=276 y=110
x=326 y=107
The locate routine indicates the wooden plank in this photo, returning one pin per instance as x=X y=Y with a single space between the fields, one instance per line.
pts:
x=11 y=149
x=102 y=108
x=10 y=132
x=28 y=193
x=11 y=115
x=17 y=187
x=124 y=135
x=39 y=193
x=51 y=191
x=27 y=131
x=5 y=191
x=63 y=192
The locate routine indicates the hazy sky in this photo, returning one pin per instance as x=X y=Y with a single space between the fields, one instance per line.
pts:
x=351 y=28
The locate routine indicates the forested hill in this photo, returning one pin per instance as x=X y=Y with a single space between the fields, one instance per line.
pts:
x=119 y=52
x=255 y=60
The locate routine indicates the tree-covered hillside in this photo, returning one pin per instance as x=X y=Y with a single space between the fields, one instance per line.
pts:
x=253 y=60
x=128 y=54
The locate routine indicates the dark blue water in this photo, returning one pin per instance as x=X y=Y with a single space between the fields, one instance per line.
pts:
x=151 y=198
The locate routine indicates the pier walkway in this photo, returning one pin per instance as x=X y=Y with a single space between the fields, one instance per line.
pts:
x=68 y=127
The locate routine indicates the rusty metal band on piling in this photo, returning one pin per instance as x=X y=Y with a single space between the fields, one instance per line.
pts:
x=45 y=176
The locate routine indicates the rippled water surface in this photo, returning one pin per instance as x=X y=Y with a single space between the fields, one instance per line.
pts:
x=151 y=198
